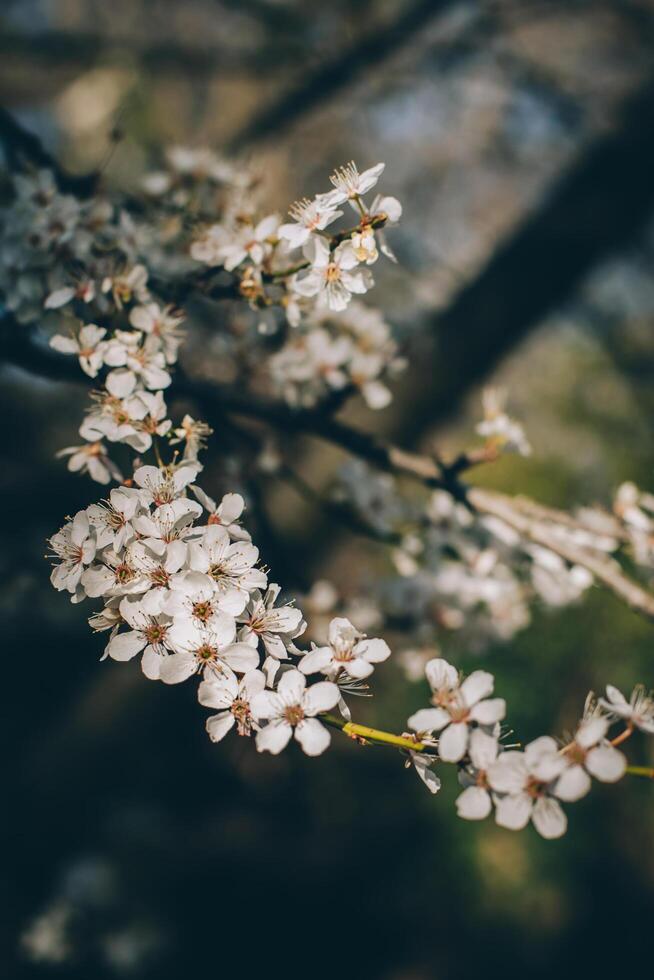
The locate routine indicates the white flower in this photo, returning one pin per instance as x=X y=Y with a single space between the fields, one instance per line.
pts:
x=134 y=362
x=210 y=649
x=364 y=372
x=194 y=434
x=162 y=324
x=331 y=274
x=127 y=286
x=588 y=753
x=232 y=697
x=230 y=566
x=88 y=346
x=276 y=627
x=220 y=246
x=83 y=291
x=149 y=633
x=167 y=525
x=348 y=650
x=498 y=428
x=92 y=459
x=637 y=712
x=291 y=710
x=226 y=513
x=457 y=706
x=350 y=184
x=114 y=574
x=111 y=518
x=475 y=802
x=194 y=596
x=308 y=217
x=163 y=485
x=525 y=778
x=75 y=546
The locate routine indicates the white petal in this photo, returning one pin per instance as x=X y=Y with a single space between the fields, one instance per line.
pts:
x=549 y=819
x=320 y=697
x=477 y=686
x=316 y=660
x=312 y=736
x=219 y=725
x=374 y=651
x=274 y=737
x=573 y=784
x=453 y=742
x=441 y=674
x=489 y=712
x=513 y=812
x=151 y=664
x=474 y=803
x=509 y=774
x=591 y=732
x=266 y=704
x=218 y=693
x=429 y=720
x=483 y=749
x=291 y=686
x=241 y=657
x=606 y=763
x=124 y=646
x=177 y=668
x=359 y=668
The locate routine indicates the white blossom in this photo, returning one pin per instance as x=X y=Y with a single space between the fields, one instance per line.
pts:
x=347 y=650
x=638 y=711
x=88 y=346
x=333 y=276
x=291 y=711
x=308 y=217
x=232 y=698
x=524 y=780
x=458 y=705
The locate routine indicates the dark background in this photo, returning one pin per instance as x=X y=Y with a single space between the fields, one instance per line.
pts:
x=520 y=138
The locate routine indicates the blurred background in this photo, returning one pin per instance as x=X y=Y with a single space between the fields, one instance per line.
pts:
x=520 y=138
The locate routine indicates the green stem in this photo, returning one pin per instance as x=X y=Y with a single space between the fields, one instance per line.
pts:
x=645 y=771
x=374 y=734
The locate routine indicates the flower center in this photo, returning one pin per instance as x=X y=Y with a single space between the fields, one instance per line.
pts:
x=332 y=272
x=159 y=576
x=241 y=711
x=293 y=714
x=124 y=573
x=155 y=633
x=202 y=610
x=206 y=652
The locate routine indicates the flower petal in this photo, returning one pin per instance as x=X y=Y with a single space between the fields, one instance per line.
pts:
x=312 y=736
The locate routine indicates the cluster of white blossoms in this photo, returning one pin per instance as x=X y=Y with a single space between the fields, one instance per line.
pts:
x=464 y=726
x=354 y=349
x=310 y=263
x=181 y=588
x=177 y=578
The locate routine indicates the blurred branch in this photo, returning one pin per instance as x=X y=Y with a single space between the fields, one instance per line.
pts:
x=317 y=87
x=601 y=205
x=530 y=522
x=24 y=150
x=83 y=49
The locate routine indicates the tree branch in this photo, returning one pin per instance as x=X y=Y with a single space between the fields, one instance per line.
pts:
x=598 y=207
x=317 y=87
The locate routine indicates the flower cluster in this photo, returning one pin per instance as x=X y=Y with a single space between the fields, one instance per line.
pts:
x=315 y=269
x=177 y=577
x=463 y=726
x=351 y=349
